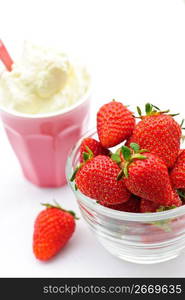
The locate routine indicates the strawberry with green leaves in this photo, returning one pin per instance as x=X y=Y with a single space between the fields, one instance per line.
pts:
x=53 y=228
x=146 y=175
x=115 y=123
x=90 y=148
x=97 y=179
x=159 y=133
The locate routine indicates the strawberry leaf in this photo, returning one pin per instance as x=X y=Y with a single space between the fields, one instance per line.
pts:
x=125 y=169
x=148 y=108
x=85 y=156
x=138 y=156
x=116 y=157
x=181 y=124
x=135 y=147
x=126 y=153
x=143 y=150
x=56 y=205
x=174 y=115
x=139 y=111
x=74 y=173
x=89 y=151
x=155 y=107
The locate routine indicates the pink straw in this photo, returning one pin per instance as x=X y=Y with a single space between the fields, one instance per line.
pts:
x=5 y=57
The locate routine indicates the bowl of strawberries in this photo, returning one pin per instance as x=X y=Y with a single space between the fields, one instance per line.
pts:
x=128 y=176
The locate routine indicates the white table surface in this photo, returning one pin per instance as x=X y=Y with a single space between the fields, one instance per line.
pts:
x=136 y=52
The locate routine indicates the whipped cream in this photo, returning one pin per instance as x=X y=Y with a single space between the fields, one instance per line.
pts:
x=43 y=81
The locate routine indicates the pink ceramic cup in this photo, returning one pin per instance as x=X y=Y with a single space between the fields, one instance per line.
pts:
x=41 y=142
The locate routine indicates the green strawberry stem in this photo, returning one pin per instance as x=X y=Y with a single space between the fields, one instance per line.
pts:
x=129 y=156
x=48 y=205
x=86 y=156
x=89 y=153
x=75 y=171
x=151 y=109
x=125 y=168
x=128 y=162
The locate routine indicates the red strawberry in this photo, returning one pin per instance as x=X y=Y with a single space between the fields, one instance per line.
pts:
x=177 y=174
x=52 y=230
x=132 y=205
x=148 y=206
x=97 y=179
x=115 y=124
x=94 y=146
x=146 y=176
x=176 y=199
x=158 y=133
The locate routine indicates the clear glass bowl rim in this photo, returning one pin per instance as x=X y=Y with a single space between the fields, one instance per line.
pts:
x=124 y=216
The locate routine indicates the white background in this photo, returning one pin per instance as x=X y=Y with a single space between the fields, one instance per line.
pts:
x=136 y=52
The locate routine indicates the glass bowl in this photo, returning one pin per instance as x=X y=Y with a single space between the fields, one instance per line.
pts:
x=145 y=238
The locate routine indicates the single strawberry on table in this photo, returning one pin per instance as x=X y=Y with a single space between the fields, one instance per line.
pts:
x=146 y=176
x=53 y=228
x=159 y=133
x=115 y=123
x=90 y=146
x=97 y=178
